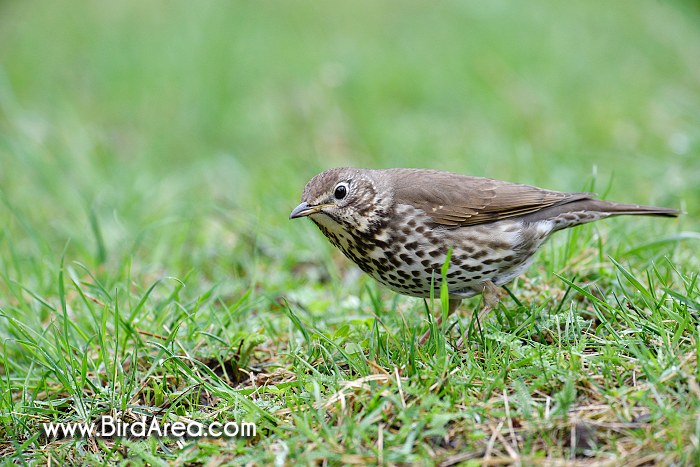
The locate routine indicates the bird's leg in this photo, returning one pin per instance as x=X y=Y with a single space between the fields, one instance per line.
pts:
x=453 y=305
x=491 y=294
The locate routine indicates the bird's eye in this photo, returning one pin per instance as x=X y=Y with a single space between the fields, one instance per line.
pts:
x=341 y=191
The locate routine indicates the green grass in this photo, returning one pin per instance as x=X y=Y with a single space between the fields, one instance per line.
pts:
x=151 y=153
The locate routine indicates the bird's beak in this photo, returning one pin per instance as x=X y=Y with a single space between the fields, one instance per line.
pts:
x=304 y=209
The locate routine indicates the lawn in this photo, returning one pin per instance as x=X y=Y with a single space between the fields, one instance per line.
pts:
x=150 y=154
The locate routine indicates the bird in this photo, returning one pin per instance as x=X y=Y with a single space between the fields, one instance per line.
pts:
x=399 y=225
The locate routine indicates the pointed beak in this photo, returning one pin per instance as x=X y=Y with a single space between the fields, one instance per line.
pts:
x=304 y=209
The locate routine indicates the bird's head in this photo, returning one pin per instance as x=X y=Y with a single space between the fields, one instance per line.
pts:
x=355 y=199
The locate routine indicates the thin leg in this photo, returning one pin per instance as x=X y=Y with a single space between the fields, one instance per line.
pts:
x=453 y=305
x=491 y=294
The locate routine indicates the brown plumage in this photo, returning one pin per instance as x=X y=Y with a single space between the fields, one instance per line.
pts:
x=399 y=224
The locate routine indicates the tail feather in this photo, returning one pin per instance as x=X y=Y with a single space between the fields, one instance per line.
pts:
x=620 y=209
x=586 y=210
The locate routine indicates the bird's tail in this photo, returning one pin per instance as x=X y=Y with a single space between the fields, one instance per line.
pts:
x=586 y=210
x=620 y=209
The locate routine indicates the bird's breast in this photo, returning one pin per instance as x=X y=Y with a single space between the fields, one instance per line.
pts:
x=408 y=252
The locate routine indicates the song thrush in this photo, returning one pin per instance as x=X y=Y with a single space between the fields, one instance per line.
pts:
x=398 y=225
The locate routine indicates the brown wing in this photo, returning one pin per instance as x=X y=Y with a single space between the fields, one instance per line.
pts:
x=459 y=200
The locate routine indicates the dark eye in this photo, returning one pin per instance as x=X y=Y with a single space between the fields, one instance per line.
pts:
x=341 y=191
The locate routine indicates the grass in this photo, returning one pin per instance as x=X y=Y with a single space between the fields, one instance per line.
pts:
x=151 y=155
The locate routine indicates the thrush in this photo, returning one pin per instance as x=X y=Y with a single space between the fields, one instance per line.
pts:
x=398 y=226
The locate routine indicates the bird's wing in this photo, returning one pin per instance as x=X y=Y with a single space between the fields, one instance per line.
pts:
x=460 y=200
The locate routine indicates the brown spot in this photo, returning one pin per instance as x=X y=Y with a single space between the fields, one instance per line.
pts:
x=480 y=254
x=403 y=274
x=411 y=246
x=406 y=258
x=498 y=245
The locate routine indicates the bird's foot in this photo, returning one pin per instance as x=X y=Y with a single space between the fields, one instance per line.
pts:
x=491 y=294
